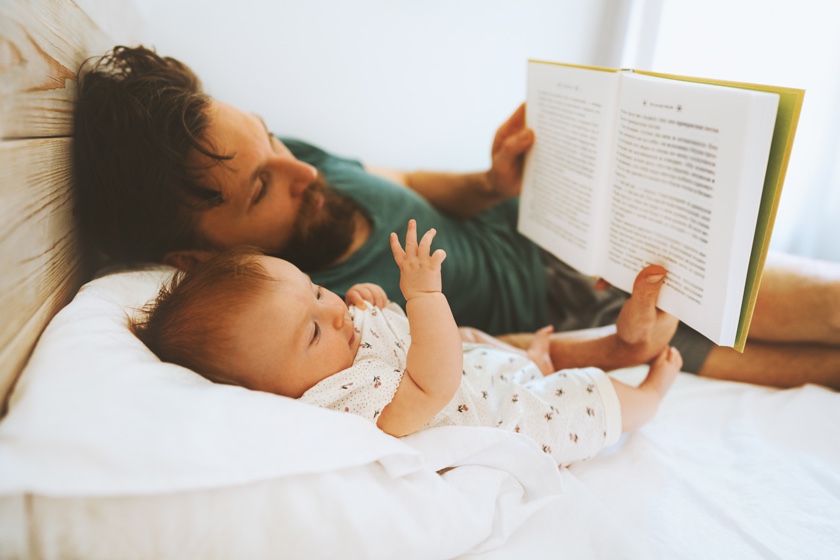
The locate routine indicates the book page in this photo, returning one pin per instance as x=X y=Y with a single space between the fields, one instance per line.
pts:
x=788 y=109
x=571 y=110
x=688 y=175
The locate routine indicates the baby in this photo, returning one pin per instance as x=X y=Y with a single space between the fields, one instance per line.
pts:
x=247 y=319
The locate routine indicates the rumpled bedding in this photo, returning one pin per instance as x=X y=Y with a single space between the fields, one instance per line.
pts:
x=108 y=453
x=725 y=470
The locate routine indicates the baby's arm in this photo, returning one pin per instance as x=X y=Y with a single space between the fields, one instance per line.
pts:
x=435 y=358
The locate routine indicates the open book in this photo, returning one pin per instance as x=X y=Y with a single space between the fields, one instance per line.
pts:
x=636 y=168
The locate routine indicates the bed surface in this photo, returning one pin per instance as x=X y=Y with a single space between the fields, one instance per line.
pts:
x=107 y=453
x=726 y=470
x=104 y=445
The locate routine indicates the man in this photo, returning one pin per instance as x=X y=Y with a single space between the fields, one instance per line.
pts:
x=166 y=173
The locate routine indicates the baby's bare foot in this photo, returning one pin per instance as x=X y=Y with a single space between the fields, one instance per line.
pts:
x=663 y=371
x=539 y=350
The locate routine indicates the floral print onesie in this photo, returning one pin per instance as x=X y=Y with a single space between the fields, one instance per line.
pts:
x=571 y=414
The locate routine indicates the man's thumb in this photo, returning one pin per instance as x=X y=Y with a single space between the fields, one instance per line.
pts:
x=648 y=283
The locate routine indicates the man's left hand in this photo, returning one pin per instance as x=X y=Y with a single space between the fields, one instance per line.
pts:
x=512 y=140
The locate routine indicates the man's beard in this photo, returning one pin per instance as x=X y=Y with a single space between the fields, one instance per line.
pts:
x=321 y=235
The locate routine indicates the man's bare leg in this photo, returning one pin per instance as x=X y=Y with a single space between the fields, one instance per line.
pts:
x=794 y=336
x=776 y=365
x=795 y=331
x=799 y=301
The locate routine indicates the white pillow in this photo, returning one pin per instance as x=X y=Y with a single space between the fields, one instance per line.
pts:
x=105 y=439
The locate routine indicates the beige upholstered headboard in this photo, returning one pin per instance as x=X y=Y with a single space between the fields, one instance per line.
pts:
x=42 y=262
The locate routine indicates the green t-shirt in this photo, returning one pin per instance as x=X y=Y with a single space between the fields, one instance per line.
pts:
x=493 y=277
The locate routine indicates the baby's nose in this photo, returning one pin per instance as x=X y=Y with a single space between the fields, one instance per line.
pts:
x=341 y=315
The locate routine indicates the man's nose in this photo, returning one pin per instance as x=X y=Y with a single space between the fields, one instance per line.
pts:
x=302 y=175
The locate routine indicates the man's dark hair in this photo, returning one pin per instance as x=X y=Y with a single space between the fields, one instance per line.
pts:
x=139 y=122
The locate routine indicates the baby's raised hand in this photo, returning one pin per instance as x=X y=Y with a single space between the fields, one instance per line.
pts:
x=366 y=292
x=419 y=270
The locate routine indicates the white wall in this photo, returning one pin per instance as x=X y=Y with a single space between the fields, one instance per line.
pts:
x=401 y=83
x=786 y=43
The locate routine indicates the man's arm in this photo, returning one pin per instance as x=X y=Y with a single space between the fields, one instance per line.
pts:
x=463 y=195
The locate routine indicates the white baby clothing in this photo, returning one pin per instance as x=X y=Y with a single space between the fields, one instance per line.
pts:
x=571 y=414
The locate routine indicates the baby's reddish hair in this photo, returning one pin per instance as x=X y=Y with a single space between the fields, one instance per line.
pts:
x=189 y=322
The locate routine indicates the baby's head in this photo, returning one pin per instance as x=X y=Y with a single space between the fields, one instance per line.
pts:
x=243 y=318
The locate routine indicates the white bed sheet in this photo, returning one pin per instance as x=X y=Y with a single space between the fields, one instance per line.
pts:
x=725 y=470
x=108 y=453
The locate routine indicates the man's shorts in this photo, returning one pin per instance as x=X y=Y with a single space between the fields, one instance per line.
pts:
x=574 y=303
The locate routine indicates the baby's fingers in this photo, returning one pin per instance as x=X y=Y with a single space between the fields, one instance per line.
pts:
x=396 y=249
x=356 y=299
x=425 y=246
x=411 y=237
x=413 y=249
x=438 y=257
x=378 y=297
x=360 y=294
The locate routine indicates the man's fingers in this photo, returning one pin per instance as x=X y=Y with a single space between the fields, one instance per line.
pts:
x=514 y=146
x=601 y=284
x=648 y=283
x=516 y=119
x=510 y=126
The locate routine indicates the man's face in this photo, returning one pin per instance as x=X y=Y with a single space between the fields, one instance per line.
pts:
x=271 y=200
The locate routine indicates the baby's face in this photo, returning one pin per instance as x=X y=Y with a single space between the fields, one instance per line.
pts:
x=292 y=336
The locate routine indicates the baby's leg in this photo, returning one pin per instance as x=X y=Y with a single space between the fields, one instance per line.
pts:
x=639 y=404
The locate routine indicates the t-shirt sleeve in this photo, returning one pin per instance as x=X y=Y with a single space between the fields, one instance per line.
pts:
x=364 y=389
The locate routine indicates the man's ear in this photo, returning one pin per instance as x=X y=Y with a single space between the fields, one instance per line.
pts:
x=187 y=258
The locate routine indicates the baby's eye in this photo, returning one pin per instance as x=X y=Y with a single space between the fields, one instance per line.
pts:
x=318 y=294
x=316 y=333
